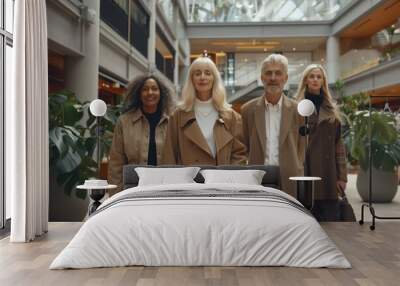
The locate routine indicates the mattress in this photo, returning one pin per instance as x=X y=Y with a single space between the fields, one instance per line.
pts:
x=201 y=225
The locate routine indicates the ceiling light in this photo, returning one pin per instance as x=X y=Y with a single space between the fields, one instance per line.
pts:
x=253 y=47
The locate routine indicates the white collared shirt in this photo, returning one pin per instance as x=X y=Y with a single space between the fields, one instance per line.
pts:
x=272 y=130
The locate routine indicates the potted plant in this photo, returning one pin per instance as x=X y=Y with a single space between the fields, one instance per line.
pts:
x=385 y=145
x=72 y=143
x=385 y=151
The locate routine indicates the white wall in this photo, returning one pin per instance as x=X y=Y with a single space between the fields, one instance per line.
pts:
x=63 y=28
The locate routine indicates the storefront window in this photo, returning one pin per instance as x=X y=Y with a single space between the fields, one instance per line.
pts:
x=115 y=14
x=165 y=55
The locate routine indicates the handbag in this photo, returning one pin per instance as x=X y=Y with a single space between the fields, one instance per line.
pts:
x=346 y=212
x=334 y=209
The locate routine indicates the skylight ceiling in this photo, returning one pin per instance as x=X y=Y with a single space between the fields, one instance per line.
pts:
x=201 y=11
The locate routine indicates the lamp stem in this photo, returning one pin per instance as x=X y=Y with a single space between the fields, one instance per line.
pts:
x=305 y=153
x=370 y=162
x=98 y=145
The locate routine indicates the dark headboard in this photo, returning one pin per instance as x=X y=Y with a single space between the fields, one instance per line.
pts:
x=270 y=179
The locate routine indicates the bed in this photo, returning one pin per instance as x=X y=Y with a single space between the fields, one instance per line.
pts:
x=201 y=224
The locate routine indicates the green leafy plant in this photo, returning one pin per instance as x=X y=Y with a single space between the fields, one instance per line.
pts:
x=349 y=106
x=72 y=139
x=385 y=140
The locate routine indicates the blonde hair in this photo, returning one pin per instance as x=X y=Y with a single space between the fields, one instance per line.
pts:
x=275 y=59
x=328 y=99
x=218 y=90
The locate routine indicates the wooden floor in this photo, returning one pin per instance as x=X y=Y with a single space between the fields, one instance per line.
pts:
x=375 y=256
x=383 y=210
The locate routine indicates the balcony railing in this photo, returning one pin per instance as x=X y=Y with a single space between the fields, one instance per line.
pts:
x=250 y=71
x=358 y=60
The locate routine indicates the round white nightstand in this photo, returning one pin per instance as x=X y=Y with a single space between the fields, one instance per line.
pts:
x=96 y=193
x=305 y=190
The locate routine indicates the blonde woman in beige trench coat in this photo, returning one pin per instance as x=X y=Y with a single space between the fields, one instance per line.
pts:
x=139 y=134
x=204 y=130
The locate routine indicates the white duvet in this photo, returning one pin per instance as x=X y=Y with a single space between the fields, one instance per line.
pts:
x=183 y=231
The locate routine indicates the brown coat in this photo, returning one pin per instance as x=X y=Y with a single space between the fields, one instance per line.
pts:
x=326 y=155
x=291 y=144
x=131 y=143
x=186 y=145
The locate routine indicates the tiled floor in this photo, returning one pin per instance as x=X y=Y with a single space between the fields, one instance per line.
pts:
x=390 y=209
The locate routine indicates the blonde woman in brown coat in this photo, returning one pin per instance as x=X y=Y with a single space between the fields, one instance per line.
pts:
x=139 y=134
x=326 y=156
x=204 y=130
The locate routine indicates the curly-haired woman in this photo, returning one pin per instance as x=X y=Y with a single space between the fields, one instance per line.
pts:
x=140 y=132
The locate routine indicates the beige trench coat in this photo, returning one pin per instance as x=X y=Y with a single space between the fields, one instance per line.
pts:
x=131 y=144
x=291 y=144
x=186 y=145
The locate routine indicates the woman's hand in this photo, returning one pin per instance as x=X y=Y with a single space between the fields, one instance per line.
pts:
x=341 y=186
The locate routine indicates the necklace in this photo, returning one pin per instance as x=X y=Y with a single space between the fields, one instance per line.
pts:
x=203 y=113
x=204 y=108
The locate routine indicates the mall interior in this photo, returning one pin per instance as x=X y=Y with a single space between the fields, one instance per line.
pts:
x=111 y=41
x=96 y=47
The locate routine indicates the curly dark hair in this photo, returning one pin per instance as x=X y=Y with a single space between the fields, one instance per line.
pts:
x=132 y=97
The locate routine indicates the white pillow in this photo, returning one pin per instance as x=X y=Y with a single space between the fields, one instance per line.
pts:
x=248 y=177
x=165 y=176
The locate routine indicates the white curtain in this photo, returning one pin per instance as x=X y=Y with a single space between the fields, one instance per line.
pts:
x=27 y=156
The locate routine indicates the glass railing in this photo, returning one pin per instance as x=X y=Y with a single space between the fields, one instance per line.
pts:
x=247 y=73
x=358 y=60
x=247 y=68
x=382 y=47
x=200 y=11
x=167 y=8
